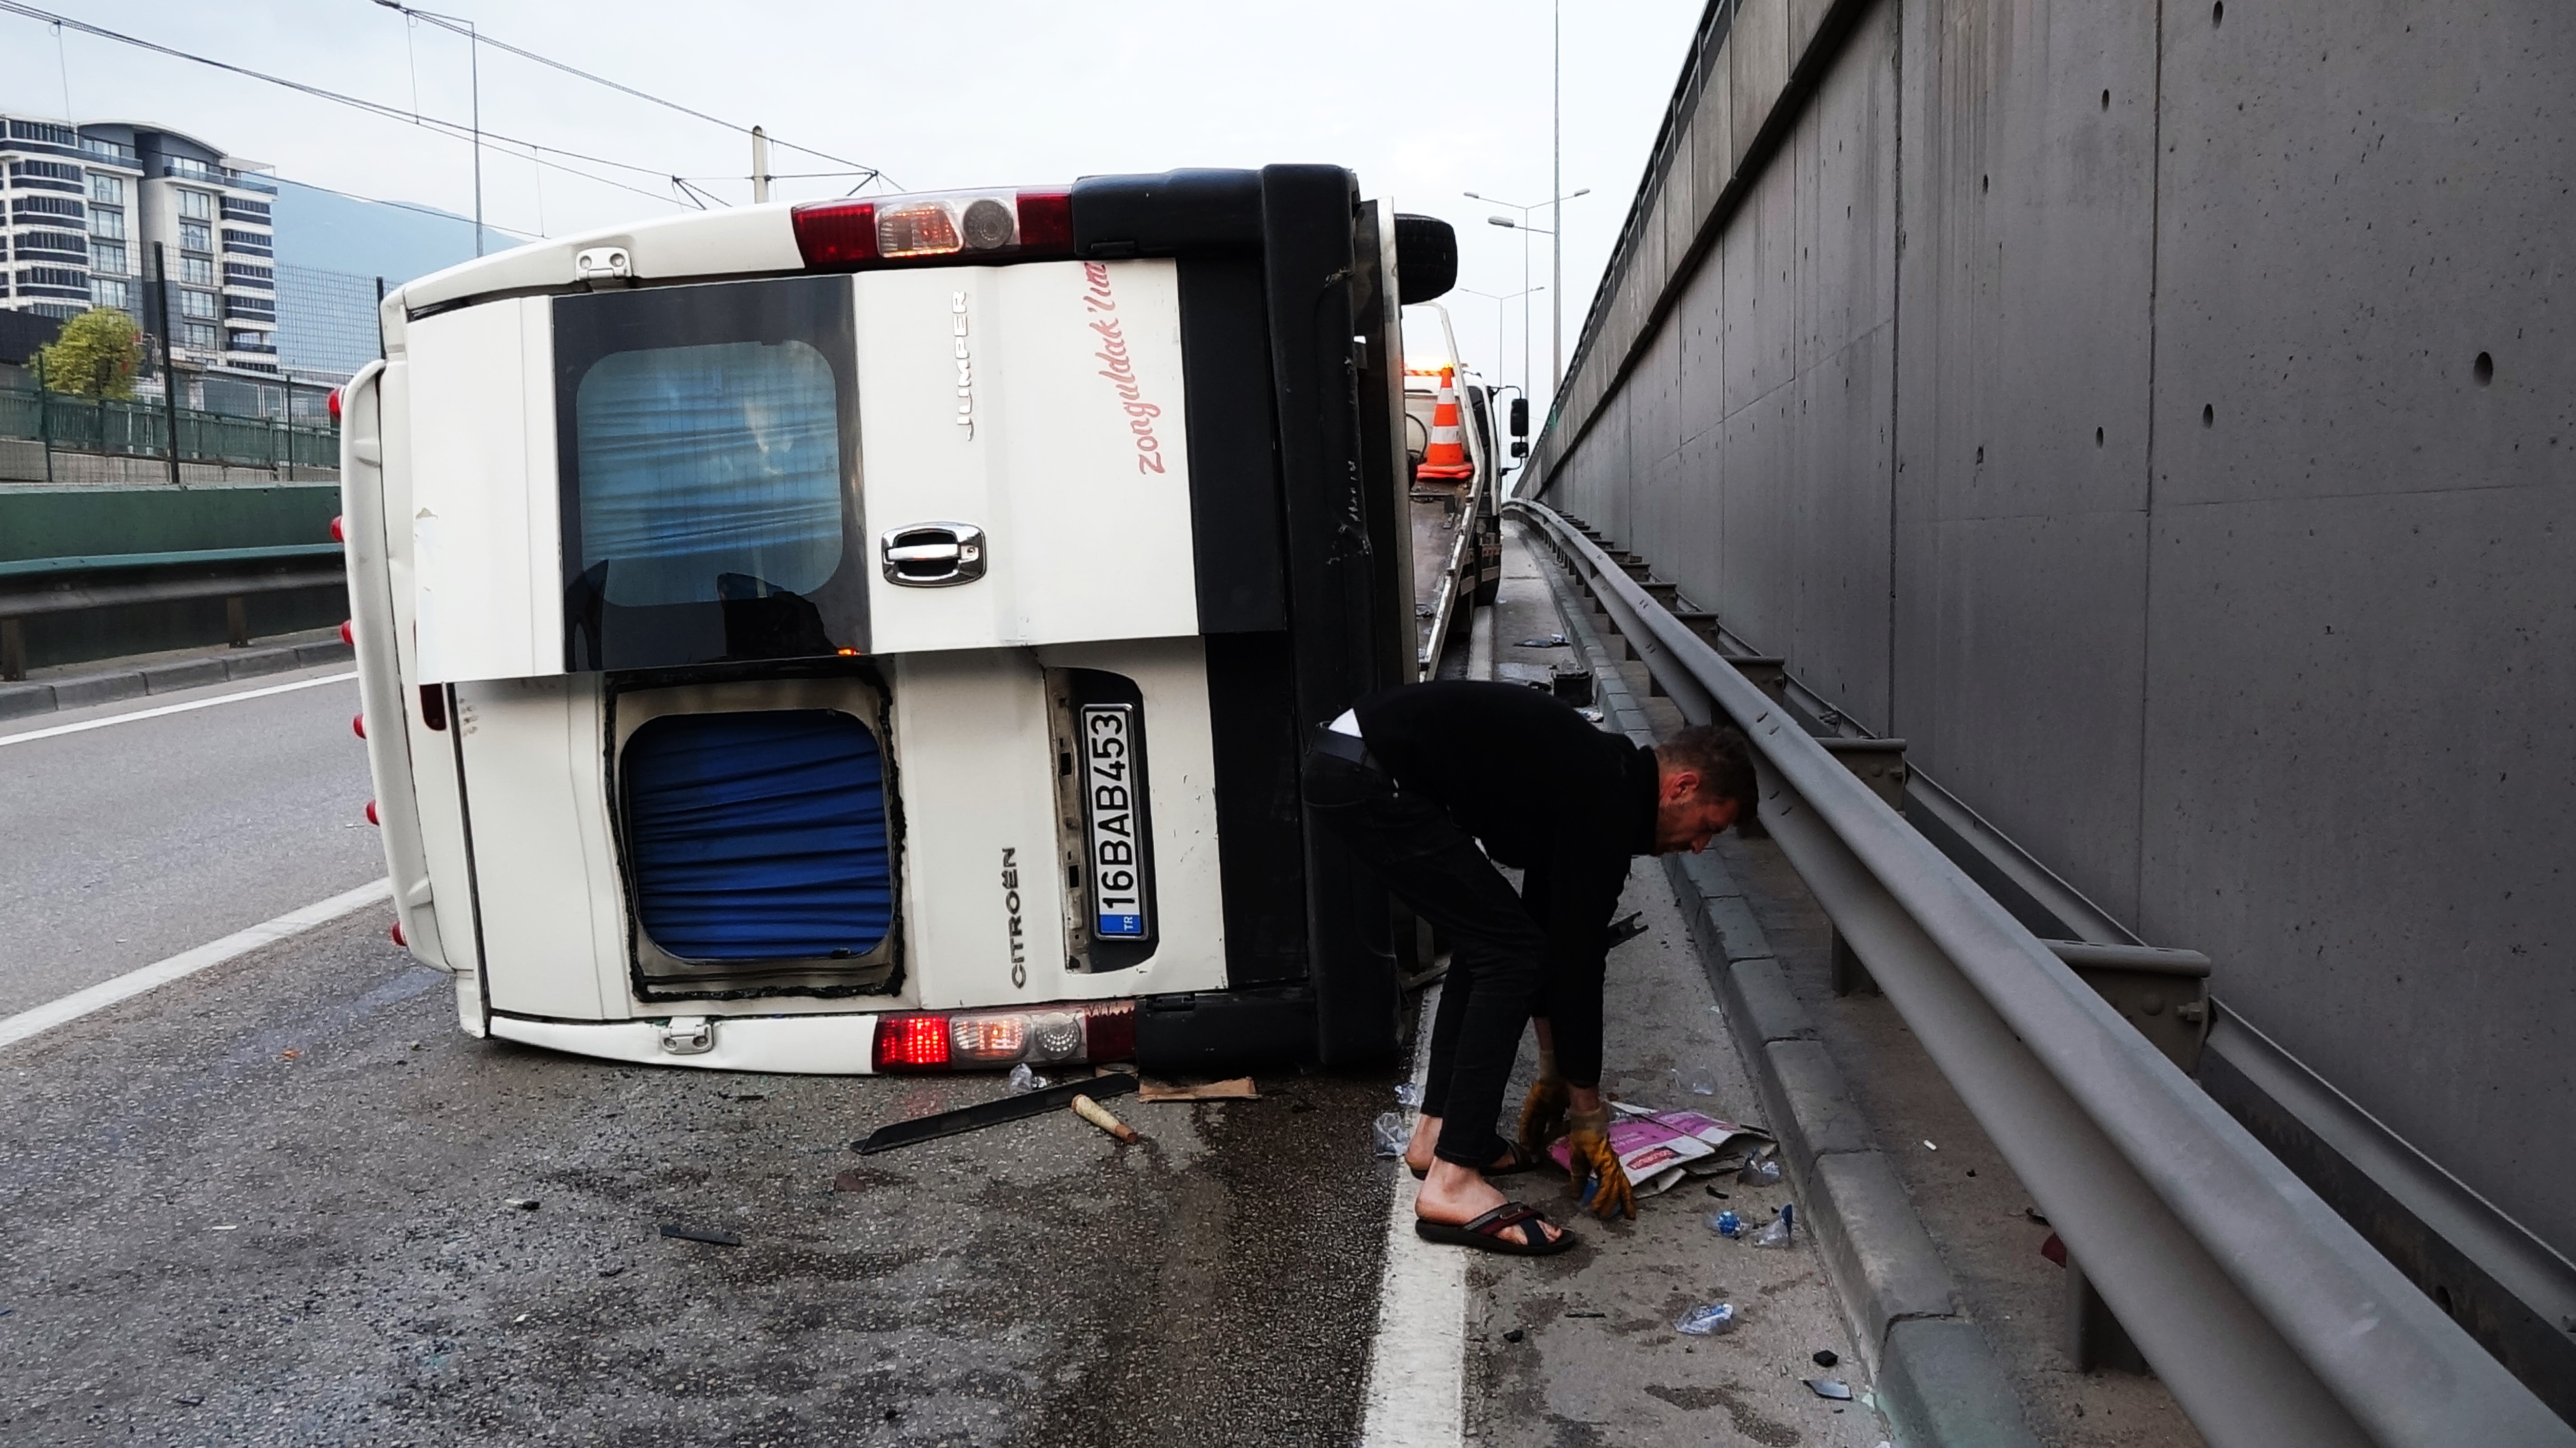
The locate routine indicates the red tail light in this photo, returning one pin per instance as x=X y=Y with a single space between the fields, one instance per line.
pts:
x=836 y=235
x=970 y=226
x=335 y=404
x=912 y=1043
x=1046 y=223
x=371 y=813
x=959 y=1040
x=397 y=935
x=336 y=535
x=358 y=725
x=349 y=632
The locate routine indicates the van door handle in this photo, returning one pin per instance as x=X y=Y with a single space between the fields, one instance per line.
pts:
x=933 y=555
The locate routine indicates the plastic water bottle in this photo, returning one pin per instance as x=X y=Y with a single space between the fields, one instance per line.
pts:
x=1389 y=1132
x=1716 y=1319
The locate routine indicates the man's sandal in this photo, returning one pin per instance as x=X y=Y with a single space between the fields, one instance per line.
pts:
x=1486 y=1232
x=1516 y=1158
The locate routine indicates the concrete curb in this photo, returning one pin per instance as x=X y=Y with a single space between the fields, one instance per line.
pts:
x=1939 y=1383
x=80 y=691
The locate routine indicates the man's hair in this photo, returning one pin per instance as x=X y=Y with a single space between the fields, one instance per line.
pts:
x=1721 y=756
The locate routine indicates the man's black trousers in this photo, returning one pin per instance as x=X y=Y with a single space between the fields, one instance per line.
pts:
x=1497 y=953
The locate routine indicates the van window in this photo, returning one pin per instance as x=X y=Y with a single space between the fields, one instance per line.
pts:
x=699 y=462
x=708 y=473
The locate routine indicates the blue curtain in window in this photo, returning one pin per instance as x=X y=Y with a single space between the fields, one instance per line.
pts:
x=759 y=836
x=701 y=461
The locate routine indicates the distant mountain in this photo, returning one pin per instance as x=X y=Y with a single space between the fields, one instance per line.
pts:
x=325 y=229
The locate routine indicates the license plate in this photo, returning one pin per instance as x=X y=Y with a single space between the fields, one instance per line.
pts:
x=1113 y=790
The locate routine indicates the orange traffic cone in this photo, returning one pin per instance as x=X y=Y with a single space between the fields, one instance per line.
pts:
x=1447 y=455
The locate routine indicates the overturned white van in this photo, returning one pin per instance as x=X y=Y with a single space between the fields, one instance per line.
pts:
x=880 y=634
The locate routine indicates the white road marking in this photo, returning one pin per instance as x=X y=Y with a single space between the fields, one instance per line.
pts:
x=188 y=962
x=6 y=740
x=1418 y=1365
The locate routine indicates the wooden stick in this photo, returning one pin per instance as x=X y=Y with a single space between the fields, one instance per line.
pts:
x=1098 y=1115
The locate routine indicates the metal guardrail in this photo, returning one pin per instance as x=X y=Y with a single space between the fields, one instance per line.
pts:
x=65 y=423
x=2271 y=1319
x=37 y=587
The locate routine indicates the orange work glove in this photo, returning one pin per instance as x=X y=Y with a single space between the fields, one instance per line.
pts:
x=1543 y=1114
x=1592 y=1160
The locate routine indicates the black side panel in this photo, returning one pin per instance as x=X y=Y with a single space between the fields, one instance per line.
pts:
x=1234 y=453
x=1227 y=1030
x=1378 y=386
x=1252 y=712
x=1176 y=213
x=1333 y=604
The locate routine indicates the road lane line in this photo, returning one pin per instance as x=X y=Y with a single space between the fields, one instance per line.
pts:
x=188 y=962
x=1418 y=1365
x=9 y=739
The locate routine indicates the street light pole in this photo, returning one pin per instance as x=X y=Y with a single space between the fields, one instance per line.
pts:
x=474 y=73
x=1526 y=228
x=1556 y=220
x=1523 y=297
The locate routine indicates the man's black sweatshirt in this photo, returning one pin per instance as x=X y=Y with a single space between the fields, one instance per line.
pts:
x=1543 y=791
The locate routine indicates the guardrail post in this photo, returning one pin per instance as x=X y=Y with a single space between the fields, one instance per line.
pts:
x=2095 y=1338
x=1880 y=764
x=237 y=620
x=1769 y=674
x=13 y=649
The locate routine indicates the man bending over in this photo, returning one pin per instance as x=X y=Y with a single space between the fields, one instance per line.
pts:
x=1413 y=779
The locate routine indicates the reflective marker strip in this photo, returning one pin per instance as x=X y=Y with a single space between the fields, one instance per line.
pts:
x=188 y=962
x=87 y=724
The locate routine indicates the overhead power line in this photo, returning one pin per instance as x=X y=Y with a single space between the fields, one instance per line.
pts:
x=477 y=37
x=455 y=129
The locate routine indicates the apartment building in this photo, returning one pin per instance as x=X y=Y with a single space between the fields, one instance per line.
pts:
x=87 y=206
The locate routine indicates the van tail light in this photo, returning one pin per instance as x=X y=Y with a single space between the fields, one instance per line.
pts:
x=339 y=534
x=983 y=1040
x=397 y=934
x=335 y=404
x=349 y=632
x=849 y=234
x=358 y=725
x=371 y=815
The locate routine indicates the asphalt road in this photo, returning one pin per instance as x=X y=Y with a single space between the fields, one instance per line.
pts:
x=246 y=1209
x=269 y=1203
x=280 y=1201
x=129 y=843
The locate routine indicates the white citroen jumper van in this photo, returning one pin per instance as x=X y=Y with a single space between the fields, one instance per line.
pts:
x=880 y=634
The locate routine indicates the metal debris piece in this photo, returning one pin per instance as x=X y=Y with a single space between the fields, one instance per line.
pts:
x=1627 y=927
x=1552 y=641
x=708 y=1235
x=1834 y=1388
x=1826 y=1357
x=525 y=1204
x=993 y=1113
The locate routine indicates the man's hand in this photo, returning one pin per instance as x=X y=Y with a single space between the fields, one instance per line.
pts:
x=1543 y=1114
x=1591 y=1159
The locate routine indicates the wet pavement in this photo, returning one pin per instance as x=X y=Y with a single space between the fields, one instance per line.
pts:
x=248 y=1208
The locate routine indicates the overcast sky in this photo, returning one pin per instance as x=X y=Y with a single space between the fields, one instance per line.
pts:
x=1424 y=102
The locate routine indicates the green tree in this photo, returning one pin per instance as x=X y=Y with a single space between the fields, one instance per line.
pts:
x=95 y=356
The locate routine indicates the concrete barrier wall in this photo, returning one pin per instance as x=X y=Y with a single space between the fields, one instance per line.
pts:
x=84 y=522
x=2167 y=425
